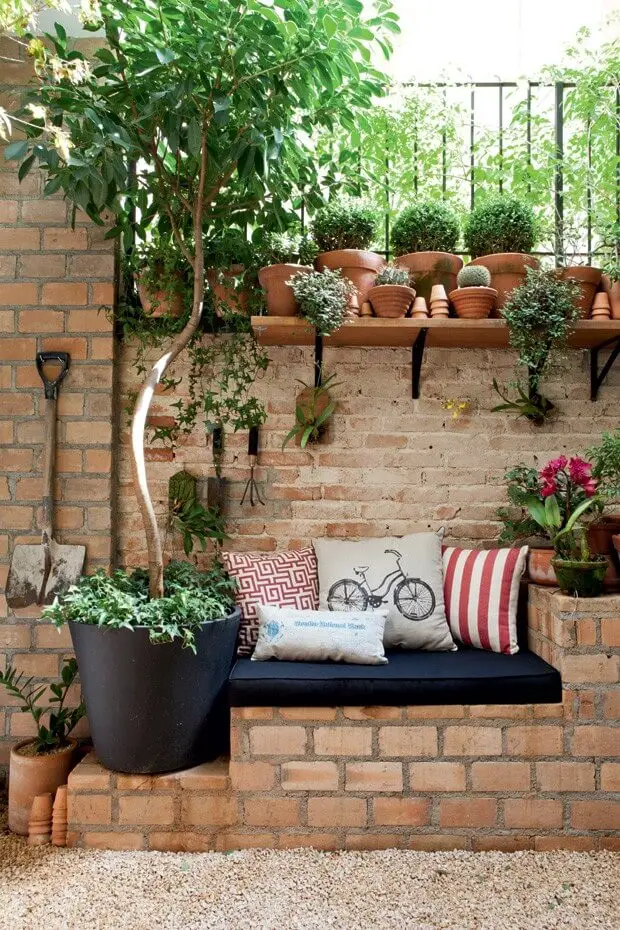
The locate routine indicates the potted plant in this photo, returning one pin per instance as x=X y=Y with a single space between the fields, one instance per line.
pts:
x=519 y=527
x=605 y=458
x=391 y=297
x=424 y=236
x=499 y=234
x=281 y=256
x=324 y=298
x=135 y=652
x=611 y=269
x=474 y=298
x=540 y=314
x=343 y=231
x=313 y=408
x=160 y=272
x=41 y=764
x=228 y=259
x=586 y=278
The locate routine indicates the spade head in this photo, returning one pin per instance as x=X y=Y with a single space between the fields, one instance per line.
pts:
x=27 y=583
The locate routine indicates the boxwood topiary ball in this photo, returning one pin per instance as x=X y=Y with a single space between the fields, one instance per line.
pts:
x=500 y=224
x=426 y=227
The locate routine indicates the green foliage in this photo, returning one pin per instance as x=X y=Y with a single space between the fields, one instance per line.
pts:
x=500 y=224
x=323 y=298
x=311 y=417
x=283 y=248
x=426 y=226
x=121 y=601
x=345 y=223
x=474 y=276
x=229 y=248
x=392 y=274
x=522 y=482
x=61 y=720
x=187 y=515
x=606 y=460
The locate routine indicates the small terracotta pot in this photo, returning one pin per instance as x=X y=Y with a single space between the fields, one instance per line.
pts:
x=30 y=776
x=391 y=301
x=428 y=269
x=507 y=271
x=358 y=266
x=539 y=567
x=419 y=310
x=588 y=279
x=473 y=303
x=278 y=294
x=228 y=295
x=160 y=303
x=612 y=289
x=601 y=308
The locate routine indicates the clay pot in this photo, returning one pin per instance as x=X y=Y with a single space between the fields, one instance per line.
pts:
x=40 y=821
x=224 y=282
x=59 y=817
x=430 y=268
x=358 y=266
x=391 y=301
x=473 y=303
x=30 y=776
x=588 y=279
x=420 y=310
x=616 y=541
x=601 y=535
x=279 y=295
x=612 y=289
x=507 y=271
x=601 y=308
x=539 y=567
x=160 y=303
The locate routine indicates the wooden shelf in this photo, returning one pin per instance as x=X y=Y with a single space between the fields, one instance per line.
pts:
x=462 y=334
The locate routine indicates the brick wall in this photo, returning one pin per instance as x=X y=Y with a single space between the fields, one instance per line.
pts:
x=53 y=281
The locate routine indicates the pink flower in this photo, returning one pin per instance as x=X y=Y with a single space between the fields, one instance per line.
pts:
x=589 y=487
x=579 y=470
x=549 y=487
x=553 y=467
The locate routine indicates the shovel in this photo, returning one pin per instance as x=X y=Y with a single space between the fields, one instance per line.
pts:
x=38 y=573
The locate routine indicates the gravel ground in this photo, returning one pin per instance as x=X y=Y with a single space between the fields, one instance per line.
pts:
x=48 y=889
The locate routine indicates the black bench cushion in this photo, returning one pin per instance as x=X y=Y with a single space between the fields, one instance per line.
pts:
x=469 y=676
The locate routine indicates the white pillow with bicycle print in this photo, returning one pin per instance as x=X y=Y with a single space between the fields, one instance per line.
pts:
x=401 y=575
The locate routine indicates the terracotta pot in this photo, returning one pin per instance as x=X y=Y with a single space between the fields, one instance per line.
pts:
x=358 y=266
x=601 y=535
x=391 y=301
x=160 y=303
x=616 y=540
x=473 y=303
x=30 y=776
x=225 y=286
x=507 y=271
x=279 y=295
x=430 y=268
x=612 y=289
x=588 y=279
x=601 y=308
x=539 y=567
x=419 y=310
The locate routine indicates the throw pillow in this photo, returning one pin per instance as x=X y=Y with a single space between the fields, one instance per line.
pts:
x=320 y=635
x=401 y=575
x=481 y=590
x=288 y=579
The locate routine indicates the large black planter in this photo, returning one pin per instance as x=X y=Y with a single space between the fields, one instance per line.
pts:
x=156 y=707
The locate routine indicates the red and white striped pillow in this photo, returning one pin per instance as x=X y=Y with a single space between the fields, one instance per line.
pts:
x=481 y=591
x=285 y=579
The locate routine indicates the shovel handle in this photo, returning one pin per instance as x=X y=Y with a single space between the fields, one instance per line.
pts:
x=50 y=385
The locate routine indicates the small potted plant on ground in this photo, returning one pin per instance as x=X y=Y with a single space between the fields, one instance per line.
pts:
x=424 y=237
x=499 y=234
x=153 y=670
x=281 y=256
x=391 y=297
x=343 y=231
x=41 y=764
x=228 y=259
x=313 y=408
x=161 y=274
x=324 y=298
x=540 y=314
x=474 y=298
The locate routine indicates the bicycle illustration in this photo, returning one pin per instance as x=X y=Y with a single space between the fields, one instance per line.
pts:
x=413 y=598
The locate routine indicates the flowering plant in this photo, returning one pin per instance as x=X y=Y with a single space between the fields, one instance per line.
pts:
x=566 y=490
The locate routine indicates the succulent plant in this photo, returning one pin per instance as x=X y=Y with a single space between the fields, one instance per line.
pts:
x=474 y=276
x=345 y=224
x=500 y=224
x=323 y=298
x=392 y=274
x=427 y=226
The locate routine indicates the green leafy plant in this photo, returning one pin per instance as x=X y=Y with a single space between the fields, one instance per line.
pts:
x=312 y=411
x=187 y=515
x=474 y=276
x=606 y=464
x=283 y=248
x=345 y=223
x=61 y=720
x=500 y=224
x=323 y=298
x=122 y=601
x=427 y=226
x=392 y=274
x=540 y=314
x=523 y=481
x=160 y=268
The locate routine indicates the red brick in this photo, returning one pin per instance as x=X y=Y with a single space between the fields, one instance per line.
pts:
x=38 y=665
x=209 y=810
x=44 y=211
x=16 y=518
x=180 y=842
x=89 y=808
x=14 y=636
x=278 y=741
x=76 y=347
x=596 y=741
x=226 y=842
x=88 y=321
x=337 y=812
x=110 y=840
x=610 y=631
x=501 y=843
x=610 y=776
x=437 y=776
x=102 y=294
x=88 y=432
x=535 y=741
x=372 y=713
x=590 y=668
x=65 y=294
x=145 y=809
x=374 y=776
x=19 y=240
x=442 y=842
x=535 y=813
x=472 y=741
x=611 y=705
x=17 y=405
x=252 y=776
x=18 y=349
x=396 y=812
x=343 y=741
x=467 y=812
x=595 y=815
x=408 y=741
x=271 y=812
x=42 y=266
x=63 y=239
x=500 y=776
x=565 y=776
x=309 y=776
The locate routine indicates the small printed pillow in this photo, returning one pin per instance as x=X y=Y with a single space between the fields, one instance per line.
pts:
x=320 y=635
x=481 y=590
x=401 y=575
x=288 y=579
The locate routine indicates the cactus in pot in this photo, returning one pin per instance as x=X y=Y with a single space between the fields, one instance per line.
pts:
x=473 y=298
x=391 y=297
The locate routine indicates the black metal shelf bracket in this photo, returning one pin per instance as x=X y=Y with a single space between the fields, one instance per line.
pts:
x=417 y=357
x=597 y=378
x=318 y=360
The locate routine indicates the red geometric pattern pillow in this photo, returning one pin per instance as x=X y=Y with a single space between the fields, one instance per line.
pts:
x=284 y=579
x=481 y=591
